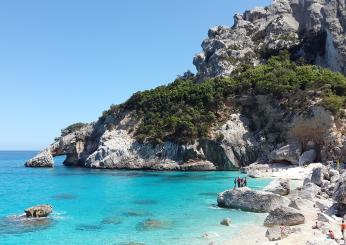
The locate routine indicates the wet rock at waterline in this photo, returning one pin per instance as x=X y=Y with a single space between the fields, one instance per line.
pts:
x=38 y=211
x=42 y=160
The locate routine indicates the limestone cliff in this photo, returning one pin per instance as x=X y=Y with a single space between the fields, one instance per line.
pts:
x=250 y=127
x=313 y=30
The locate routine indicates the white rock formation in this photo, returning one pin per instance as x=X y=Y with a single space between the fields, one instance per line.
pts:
x=313 y=30
x=42 y=159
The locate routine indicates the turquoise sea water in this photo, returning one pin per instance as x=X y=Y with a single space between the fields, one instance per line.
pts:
x=115 y=207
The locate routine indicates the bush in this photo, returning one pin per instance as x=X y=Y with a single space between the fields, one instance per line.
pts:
x=333 y=103
x=72 y=128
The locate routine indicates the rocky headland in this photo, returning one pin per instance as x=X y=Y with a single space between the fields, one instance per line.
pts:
x=260 y=95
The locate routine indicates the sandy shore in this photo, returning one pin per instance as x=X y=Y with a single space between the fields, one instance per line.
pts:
x=255 y=233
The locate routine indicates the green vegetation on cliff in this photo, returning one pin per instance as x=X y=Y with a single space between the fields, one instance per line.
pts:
x=72 y=128
x=185 y=110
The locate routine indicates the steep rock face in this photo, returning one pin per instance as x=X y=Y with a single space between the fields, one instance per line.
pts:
x=117 y=148
x=313 y=30
x=72 y=145
x=100 y=146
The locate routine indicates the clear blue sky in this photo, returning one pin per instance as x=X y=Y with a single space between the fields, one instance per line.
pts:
x=63 y=61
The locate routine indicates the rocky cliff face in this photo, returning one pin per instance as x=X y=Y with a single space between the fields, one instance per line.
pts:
x=96 y=146
x=256 y=127
x=313 y=30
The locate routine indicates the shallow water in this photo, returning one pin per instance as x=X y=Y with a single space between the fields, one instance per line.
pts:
x=115 y=207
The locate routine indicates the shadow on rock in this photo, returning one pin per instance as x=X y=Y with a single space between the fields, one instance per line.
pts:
x=152 y=224
x=21 y=224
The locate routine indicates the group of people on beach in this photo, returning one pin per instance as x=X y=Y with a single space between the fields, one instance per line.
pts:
x=240 y=182
x=330 y=234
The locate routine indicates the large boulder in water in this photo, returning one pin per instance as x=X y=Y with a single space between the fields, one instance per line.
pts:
x=251 y=200
x=42 y=160
x=38 y=211
x=284 y=216
x=279 y=186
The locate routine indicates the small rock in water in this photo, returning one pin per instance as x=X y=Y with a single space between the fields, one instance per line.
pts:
x=226 y=222
x=38 y=211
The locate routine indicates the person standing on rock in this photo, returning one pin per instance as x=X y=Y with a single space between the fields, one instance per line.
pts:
x=238 y=180
x=245 y=182
x=343 y=230
x=235 y=183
